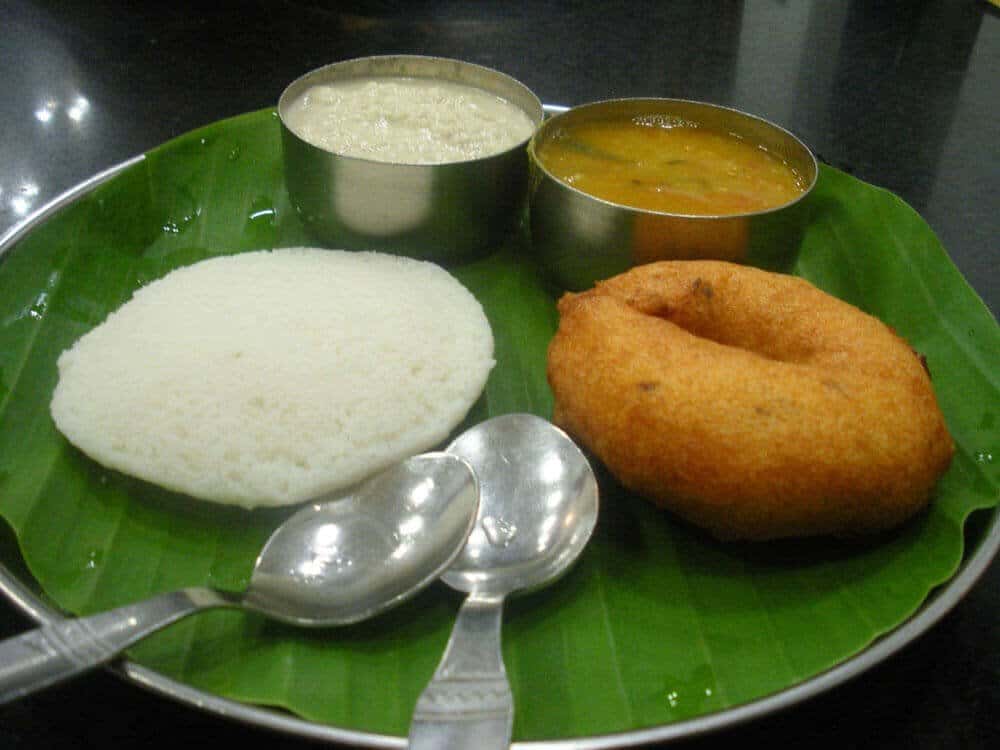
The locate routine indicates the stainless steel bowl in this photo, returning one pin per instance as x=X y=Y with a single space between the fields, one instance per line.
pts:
x=581 y=239
x=435 y=211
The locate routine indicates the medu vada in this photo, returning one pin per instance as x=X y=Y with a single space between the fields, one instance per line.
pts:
x=750 y=403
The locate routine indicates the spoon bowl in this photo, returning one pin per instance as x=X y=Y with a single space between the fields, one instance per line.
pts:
x=337 y=563
x=537 y=510
x=331 y=563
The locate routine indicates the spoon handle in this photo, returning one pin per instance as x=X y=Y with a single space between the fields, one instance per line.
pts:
x=468 y=703
x=60 y=650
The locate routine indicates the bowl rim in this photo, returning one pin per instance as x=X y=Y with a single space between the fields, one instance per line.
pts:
x=546 y=125
x=296 y=86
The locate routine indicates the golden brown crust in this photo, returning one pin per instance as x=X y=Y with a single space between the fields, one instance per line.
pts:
x=748 y=402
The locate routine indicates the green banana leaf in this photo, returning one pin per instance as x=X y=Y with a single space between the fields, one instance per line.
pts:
x=657 y=623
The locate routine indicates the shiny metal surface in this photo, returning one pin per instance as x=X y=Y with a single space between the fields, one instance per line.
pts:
x=434 y=211
x=345 y=560
x=538 y=508
x=331 y=563
x=580 y=238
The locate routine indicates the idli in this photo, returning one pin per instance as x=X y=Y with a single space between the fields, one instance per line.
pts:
x=272 y=377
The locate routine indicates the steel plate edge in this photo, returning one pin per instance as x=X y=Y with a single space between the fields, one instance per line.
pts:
x=9 y=238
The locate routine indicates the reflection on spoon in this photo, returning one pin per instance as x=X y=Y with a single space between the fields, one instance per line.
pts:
x=538 y=507
x=331 y=563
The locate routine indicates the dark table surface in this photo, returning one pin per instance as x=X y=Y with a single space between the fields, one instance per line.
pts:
x=900 y=94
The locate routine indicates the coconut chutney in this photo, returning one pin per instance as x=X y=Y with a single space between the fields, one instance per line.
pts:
x=407 y=120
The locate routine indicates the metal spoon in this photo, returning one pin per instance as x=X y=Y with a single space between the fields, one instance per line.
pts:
x=537 y=509
x=331 y=563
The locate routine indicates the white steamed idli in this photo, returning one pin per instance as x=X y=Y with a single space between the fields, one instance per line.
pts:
x=274 y=377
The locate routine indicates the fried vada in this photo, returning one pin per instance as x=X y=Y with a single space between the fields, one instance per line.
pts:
x=750 y=403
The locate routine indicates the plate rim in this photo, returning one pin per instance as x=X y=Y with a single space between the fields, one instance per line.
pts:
x=935 y=607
